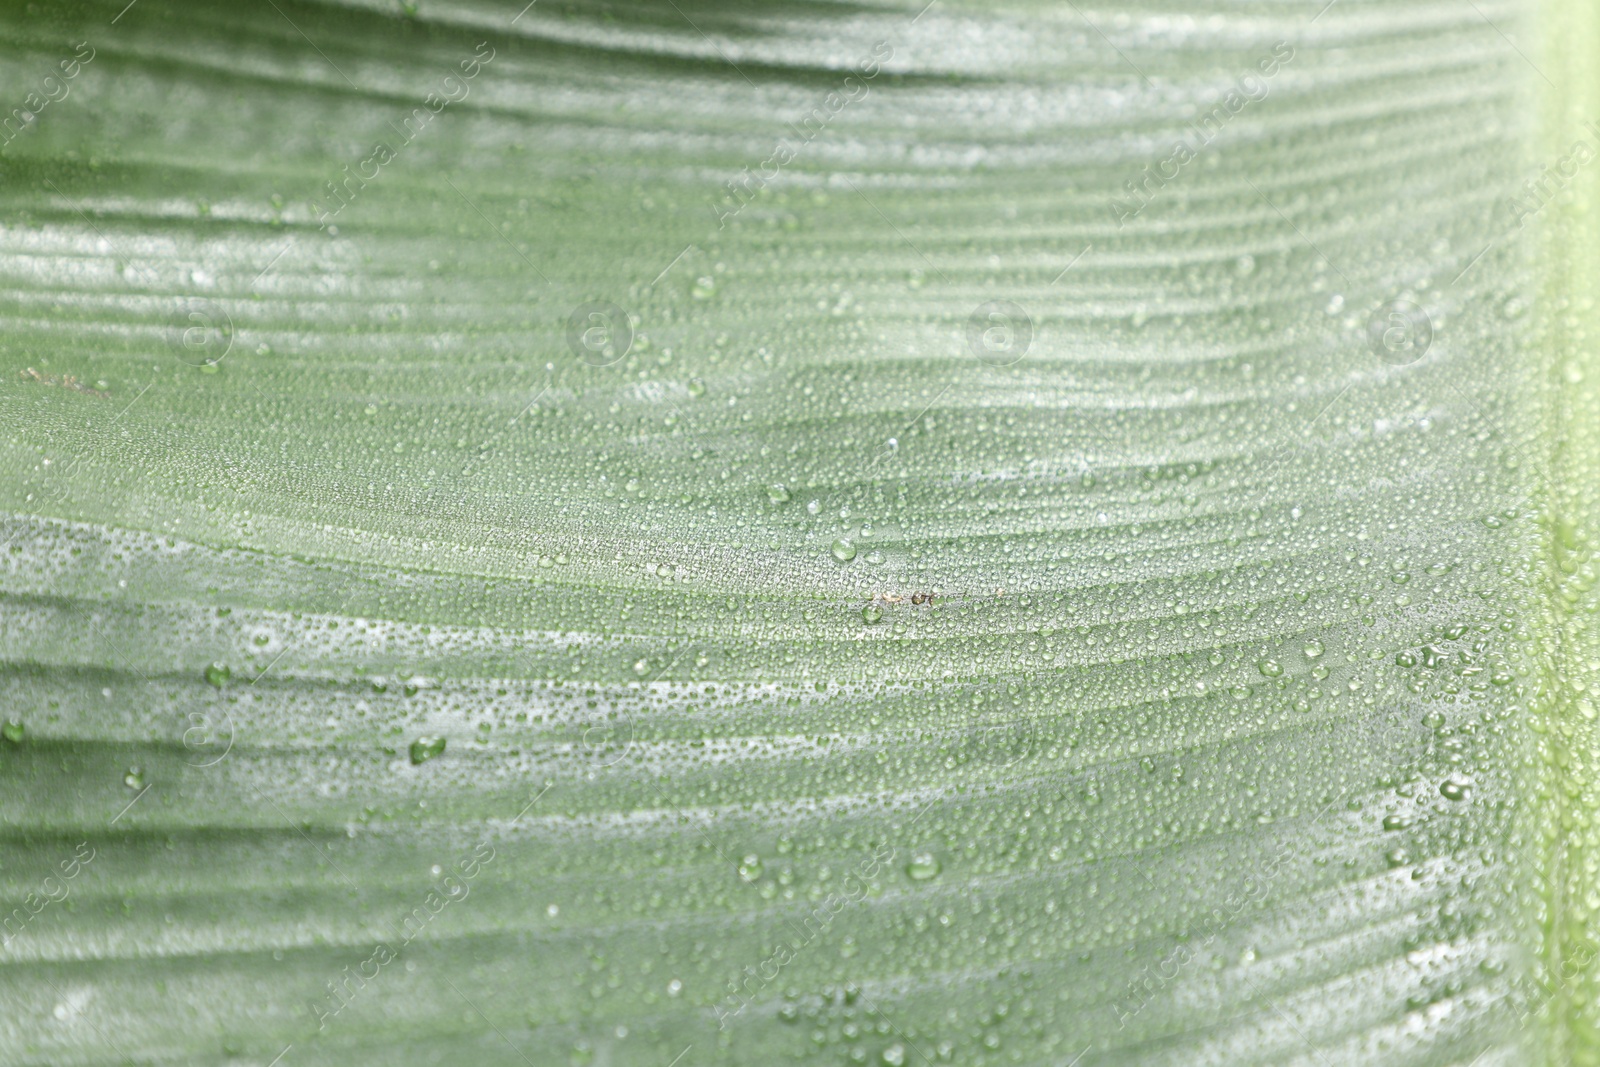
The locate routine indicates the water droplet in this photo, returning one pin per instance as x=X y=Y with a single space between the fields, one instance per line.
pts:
x=871 y=614
x=1313 y=649
x=1270 y=668
x=704 y=287
x=12 y=731
x=217 y=674
x=425 y=748
x=894 y=1055
x=750 y=867
x=778 y=493
x=1456 y=787
x=134 y=779
x=923 y=866
x=1404 y=659
x=843 y=550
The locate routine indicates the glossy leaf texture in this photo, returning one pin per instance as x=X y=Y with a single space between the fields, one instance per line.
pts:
x=712 y=533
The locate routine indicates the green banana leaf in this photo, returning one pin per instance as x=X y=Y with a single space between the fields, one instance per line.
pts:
x=702 y=532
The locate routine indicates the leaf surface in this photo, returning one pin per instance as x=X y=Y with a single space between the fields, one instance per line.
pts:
x=716 y=533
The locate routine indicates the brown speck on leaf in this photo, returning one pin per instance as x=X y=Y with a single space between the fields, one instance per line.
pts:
x=63 y=381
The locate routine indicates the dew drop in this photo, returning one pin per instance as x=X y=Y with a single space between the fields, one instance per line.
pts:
x=425 y=748
x=217 y=674
x=923 y=866
x=843 y=550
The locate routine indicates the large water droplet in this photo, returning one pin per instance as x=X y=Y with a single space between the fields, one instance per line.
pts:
x=425 y=748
